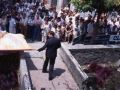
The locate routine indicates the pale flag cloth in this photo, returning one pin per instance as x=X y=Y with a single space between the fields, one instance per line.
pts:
x=9 y=41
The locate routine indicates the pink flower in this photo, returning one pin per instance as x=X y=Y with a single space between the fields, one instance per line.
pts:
x=94 y=67
x=105 y=73
x=15 y=80
x=13 y=75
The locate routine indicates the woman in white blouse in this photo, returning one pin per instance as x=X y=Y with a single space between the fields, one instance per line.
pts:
x=45 y=31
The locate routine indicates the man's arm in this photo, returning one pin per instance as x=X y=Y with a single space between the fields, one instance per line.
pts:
x=14 y=24
x=59 y=44
x=42 y=48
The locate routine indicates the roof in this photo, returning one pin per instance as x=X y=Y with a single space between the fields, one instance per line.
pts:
x=13 y=42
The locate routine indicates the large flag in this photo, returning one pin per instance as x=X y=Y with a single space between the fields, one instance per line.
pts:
x=12 y=42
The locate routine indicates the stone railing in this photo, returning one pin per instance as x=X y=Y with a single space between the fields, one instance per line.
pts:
x=24 y=75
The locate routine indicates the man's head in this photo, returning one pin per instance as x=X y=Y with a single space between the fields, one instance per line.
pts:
x=3 y=16
x=51 y=34
x=32 y=17
x=37 y=16
x=24 y=15
x=9 y=17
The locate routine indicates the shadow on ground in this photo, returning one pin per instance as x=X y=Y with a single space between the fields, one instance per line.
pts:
x=30 y=64
x=29 y=41
x=58 y=72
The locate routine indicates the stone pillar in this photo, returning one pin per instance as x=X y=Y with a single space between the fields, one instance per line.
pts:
x=10 y=2
x=54 y=2
x=49 y=1
x=66 y=2
x=59 y=4
x=62 y=3
x=72 y=7
x=45 y=1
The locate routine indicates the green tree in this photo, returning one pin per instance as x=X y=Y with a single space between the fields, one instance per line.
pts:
x=89 y=4
x=100 y=5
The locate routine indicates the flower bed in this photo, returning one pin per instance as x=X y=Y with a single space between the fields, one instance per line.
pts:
x=106 y=58
x=9 y=70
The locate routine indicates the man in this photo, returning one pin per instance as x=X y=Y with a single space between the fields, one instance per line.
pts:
x=12 y=25
x=52 y=44
x=30 y=27
x=3 y=22
x=37 y=29
x=24 y=25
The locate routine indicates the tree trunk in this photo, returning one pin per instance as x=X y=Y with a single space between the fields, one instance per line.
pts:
x=96 y=26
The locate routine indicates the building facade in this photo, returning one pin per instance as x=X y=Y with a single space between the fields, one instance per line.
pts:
x=58 y=3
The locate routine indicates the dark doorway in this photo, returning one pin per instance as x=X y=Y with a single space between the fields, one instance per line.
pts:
x=54 y=2
x=66 y=2
x=14 y=1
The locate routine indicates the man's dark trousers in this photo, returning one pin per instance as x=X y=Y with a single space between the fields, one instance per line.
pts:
x=51 y=66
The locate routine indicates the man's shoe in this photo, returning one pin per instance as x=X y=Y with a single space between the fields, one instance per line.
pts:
x=50 y=78
x=44 y=71
x=32 y=40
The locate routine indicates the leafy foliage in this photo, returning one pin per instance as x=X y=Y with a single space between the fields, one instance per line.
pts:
x=94 y=67
x=104 y=73
x=99 y=79
x=9 y=70
x=8 y=80
x=100 y=5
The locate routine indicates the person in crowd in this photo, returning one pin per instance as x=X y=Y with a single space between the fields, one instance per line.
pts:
x=115 y=29
x=117 y=23
x=51 y=46
x=58 y=21
x=62 y=30
x=66 y=7
x=24 y=24
x=31 y=26
x=54 y=28
x=37 y=29
x=69 y=32
x=76 y=30
x=7 y=24
x=18 y=18
x=58 y=32
x=90 y=28
x=20 y=8
x=12 y=25
x=45 y=31
x=111 y=23
x=82 y=27
x=51 y=14
x=3 y=22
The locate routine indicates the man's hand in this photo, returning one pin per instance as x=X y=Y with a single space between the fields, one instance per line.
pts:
x=38 y=50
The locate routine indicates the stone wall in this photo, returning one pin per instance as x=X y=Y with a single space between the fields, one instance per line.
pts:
x=72 y=65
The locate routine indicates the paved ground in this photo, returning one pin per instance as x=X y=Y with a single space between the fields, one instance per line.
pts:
x=63 y=80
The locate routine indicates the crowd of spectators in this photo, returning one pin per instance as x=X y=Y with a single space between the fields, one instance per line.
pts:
x=34 y=21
